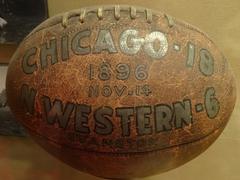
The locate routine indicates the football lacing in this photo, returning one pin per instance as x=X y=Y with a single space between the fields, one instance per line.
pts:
x=117 y=15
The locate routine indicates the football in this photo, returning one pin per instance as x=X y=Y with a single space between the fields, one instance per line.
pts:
x=120 y=91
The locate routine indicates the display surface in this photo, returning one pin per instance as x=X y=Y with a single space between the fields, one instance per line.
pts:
x=158 y=89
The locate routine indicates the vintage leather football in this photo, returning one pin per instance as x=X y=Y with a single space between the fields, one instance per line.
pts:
x=119 y=91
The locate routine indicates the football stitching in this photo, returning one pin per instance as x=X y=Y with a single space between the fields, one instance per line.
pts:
x=124 y=153
x=117 y=14
x=133 y=15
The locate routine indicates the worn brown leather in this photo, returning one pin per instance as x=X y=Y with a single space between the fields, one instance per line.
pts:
x=103 y=145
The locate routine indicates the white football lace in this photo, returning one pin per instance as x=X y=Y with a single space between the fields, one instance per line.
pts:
x=117 y=15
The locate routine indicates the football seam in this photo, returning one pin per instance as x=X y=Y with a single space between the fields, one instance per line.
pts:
x=221 y=127
x=99 y=11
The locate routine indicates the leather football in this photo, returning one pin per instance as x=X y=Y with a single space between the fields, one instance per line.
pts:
x=120 y=91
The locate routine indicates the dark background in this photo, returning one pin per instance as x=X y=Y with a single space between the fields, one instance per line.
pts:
x=22 y=16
